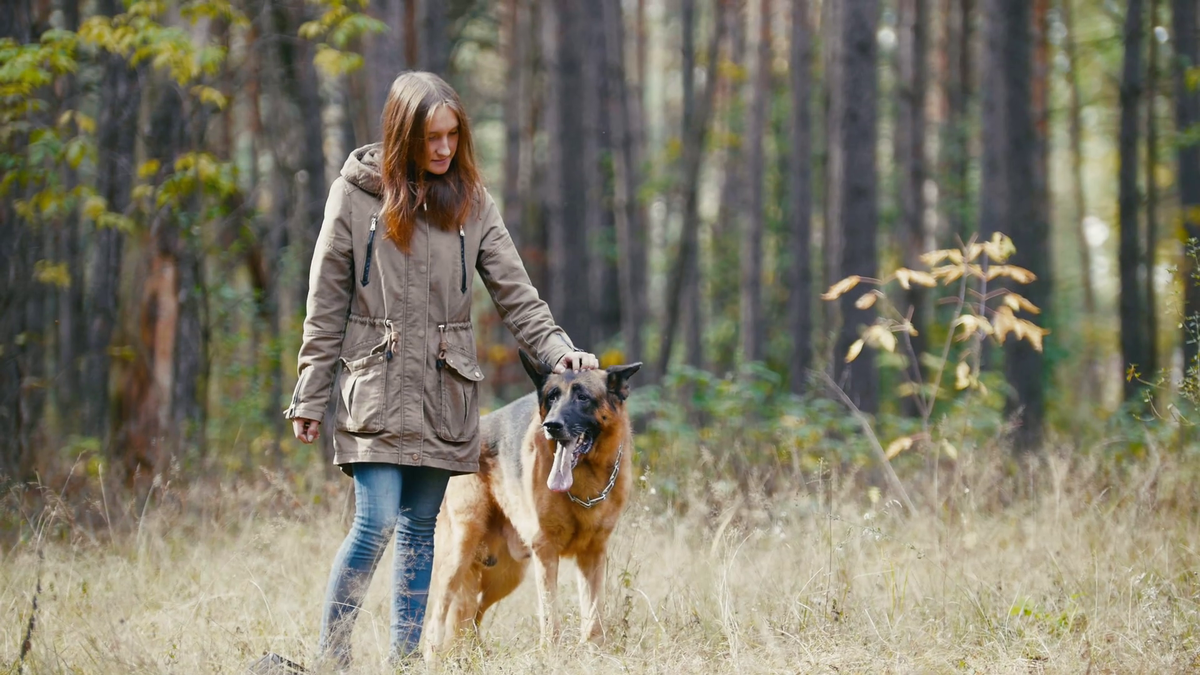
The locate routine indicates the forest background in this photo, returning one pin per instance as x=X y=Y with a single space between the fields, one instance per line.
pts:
x=684 y=179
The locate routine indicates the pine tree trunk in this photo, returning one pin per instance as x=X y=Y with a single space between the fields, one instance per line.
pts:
x=858 y=208
x=726 y=232
x=384 y=60
x=800 y=294
x=1132 y=300
x=625 y=179
x=117 y=136
x=753 y=340
x=956 y=134
x=1079 y=196
x=910 y=164
x=693 y=155
x=1187 y=115
x=1151 y=294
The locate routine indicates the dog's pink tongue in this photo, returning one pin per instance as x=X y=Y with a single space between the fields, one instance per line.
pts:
x=560 y=474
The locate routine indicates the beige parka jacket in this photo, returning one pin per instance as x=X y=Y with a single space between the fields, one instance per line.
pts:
x=401 y=327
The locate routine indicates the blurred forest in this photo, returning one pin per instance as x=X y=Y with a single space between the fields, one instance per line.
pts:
x=684 y=179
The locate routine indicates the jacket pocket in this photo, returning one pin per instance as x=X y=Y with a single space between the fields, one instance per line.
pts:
x=458 y=395
x=363 y=395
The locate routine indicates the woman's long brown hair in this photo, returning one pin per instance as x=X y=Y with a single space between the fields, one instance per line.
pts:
x=445 y=201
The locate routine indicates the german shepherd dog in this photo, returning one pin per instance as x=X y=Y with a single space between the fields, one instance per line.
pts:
x=555 y=472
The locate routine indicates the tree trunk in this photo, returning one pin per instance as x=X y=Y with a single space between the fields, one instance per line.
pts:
x=835 y=111
x=858 y=210
x=910 y=164
x=724 y=266
x=117 y=135
x=566 y=187
x=753 y=340
x=960 y=68
x=384 y=59
x=626 y=180
x=1079 y=196
x=1012 y=20
x=1187 y=114
x=1151 y=295
x=800 y=294
x=693 y=154
x=434 y=39
x=692 y=319
x=1133 y=303
x=591 y=41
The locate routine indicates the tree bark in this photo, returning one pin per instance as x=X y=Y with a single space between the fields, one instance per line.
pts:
x=1009 y=79
x=693 y=155
x=1079 y=197
x=1151 y=293
x=117 y=136
x=591 y=41
x=1187 y=114
x=753 y=340
x=835 y=110
x=1132 y=300
x=384 y=59
x=910 y=163
x=858 y=208
x=956 y=135
x=799 y=306
x=434 y=39
x=626 y=179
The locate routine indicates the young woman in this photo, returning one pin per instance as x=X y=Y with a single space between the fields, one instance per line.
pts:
x=389 y=296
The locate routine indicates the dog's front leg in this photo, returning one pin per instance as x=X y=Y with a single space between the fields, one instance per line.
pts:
x=545 y=570
x=591 y=601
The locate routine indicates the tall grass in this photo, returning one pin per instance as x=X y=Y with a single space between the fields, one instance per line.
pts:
x=1076 y=563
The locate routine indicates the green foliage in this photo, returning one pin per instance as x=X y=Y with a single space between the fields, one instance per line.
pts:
x=340 y=26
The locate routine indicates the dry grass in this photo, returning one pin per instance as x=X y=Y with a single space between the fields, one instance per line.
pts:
x=1092 y=570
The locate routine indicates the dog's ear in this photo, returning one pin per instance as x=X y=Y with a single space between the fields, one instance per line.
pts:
x=618 y=379
x=538 y=372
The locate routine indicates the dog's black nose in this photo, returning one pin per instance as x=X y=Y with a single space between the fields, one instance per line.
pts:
x=553 y=428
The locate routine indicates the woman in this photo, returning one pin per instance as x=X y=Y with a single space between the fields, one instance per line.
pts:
x=389 y=296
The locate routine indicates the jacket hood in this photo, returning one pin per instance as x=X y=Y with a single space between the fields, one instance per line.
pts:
x=363 y=168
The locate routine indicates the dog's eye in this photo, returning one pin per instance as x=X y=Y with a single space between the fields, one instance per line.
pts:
x=582 y=397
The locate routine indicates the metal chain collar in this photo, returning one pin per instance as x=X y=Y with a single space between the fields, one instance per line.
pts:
x=612 y=480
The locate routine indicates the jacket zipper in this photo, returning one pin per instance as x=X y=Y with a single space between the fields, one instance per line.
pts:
x=441 y=357
x=462 y=250
x=366 y=277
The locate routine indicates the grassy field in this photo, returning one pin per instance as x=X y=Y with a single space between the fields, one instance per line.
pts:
x=1075 y=568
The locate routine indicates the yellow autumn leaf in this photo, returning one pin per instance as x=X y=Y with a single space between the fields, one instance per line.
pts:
x=1017 y=303
x=867 y=300
x=837 y=290
x=1032 y=333
x=902 y=276
x=1017 y=274
x=934 y=257
x=855 y=349
x=1005 y=322
x=948 y=273
x=962 y=376
x=922 y=278
x=973 y=251
x=949 y=449
x=879 y=336
x=999 y=248
x=898 y=446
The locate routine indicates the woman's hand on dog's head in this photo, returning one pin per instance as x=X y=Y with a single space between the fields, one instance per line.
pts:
x=306 y=430
x=577 y=361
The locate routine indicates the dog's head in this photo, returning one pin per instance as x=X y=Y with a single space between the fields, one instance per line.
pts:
x=576 y=409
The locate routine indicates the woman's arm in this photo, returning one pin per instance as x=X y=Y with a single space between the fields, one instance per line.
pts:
x=330 y=289
x=520 y=307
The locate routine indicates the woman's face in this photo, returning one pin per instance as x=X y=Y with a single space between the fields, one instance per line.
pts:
x=441 y=140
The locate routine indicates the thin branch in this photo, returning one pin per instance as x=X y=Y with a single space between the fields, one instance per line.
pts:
x=862 y=419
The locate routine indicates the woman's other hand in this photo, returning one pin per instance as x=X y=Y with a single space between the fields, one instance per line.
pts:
x=577 y=361
x=306 y=430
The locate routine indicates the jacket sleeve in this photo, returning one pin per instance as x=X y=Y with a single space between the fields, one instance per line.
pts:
x=526 y=315
x=330 y=289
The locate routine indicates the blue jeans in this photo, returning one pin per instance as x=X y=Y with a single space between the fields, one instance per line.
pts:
x=386 y=497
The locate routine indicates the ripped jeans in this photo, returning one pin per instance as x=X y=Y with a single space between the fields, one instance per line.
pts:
x=387 y=497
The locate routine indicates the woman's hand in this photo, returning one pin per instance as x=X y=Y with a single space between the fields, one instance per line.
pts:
x=577 y=361
x=306 y=430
